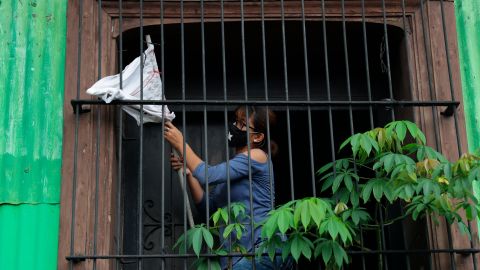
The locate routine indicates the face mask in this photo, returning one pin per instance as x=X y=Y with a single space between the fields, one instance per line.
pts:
x=236 y=136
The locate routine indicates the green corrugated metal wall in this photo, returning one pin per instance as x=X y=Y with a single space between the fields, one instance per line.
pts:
x=468 y=30
x=32 y=64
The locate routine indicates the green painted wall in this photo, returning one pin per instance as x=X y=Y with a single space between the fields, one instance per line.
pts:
x=32 y=64
x=468 y=29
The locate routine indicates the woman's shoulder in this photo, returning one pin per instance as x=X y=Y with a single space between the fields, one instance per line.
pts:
x=257 y=155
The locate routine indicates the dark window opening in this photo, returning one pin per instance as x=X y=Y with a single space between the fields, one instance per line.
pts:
x=297 y=90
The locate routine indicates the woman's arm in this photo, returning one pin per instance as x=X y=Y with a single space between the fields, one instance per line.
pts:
x=195 y=187
x=175 y=138
x=198 y=194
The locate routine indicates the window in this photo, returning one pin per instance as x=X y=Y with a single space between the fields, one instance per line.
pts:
x=382 y=59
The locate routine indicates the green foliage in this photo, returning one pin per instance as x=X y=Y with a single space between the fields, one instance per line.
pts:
x=389 y=165
x=386 y=170
x=201 y=237
x=295 y=229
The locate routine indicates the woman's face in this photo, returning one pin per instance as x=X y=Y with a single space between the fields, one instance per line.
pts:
x=241 y=123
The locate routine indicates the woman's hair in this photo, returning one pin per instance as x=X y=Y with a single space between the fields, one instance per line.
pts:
x=260 y=115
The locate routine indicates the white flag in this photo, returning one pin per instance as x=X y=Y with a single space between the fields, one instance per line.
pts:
x=108 y=88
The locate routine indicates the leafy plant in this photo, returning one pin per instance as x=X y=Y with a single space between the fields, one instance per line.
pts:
x=389 y=165
x=226 y=222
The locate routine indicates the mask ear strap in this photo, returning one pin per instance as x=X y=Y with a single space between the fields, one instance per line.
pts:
x=263 y=142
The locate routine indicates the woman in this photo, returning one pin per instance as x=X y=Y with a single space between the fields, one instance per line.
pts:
x=238 y=167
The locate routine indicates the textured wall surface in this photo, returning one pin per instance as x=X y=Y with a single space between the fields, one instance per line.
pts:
x=468 y=29
x=32 y=59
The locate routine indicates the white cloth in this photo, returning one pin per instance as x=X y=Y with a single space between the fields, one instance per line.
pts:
x=108 y=88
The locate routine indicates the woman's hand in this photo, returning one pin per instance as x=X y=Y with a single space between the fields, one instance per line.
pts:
x=177 y=164
x=174 y=136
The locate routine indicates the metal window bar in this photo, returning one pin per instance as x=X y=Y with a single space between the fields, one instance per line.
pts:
x=286 y=104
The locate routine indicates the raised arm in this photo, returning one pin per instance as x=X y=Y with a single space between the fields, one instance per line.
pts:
x=175 y=138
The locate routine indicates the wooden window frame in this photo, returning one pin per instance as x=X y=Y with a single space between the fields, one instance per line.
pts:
x=426 y=52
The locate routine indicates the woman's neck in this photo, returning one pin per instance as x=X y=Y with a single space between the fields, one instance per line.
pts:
x=242 y=149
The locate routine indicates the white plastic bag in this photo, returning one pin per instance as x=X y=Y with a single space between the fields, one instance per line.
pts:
x=108 y=88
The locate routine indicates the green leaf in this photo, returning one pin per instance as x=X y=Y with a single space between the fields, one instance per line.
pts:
x=228 y=230
x=197 y=241
x=325 y=248
x=286 y=250
x=389 y=193
x=412 y=128
x=339 y=254
x=332 y=227
x=284 y=220
x=221 y=252
x=216 y=217
x=325 y=168
x=181 y=244
x=337 y=181
x=296 y=247
x=224 y=214
x=305 y=216
x=316 y=212
x=270 y=225
x=215 y=265
x=367 y=191
x=464 y=229
x=207 y=236
x=202 y=264
x=378 y=187
x=239 y=228
x=401 y=130
x=388 y=162
x=468 y=211
x=348 y=182
x=373 y=143
x=354 y=198
x=421 y=137
x=365 y=143
x=355 y=142
x=345 y=143
x=238 y=209
x=328 y=183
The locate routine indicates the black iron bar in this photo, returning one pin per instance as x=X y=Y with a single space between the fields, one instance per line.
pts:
x=307 y=88
x=247 y=114
x=225 y=112
x=325 y=103
x=118 y=209
x=265 y=85
x=367 y=63
x=287 y=98
x=77 y=123
x=205 y=117
x=250 y=254
x=387 y=53
x=98 y=112
x=140 y=172
x=382 y=232
x=184 y=125
x=369 y=92
x=410 y=87
x=162 y=160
